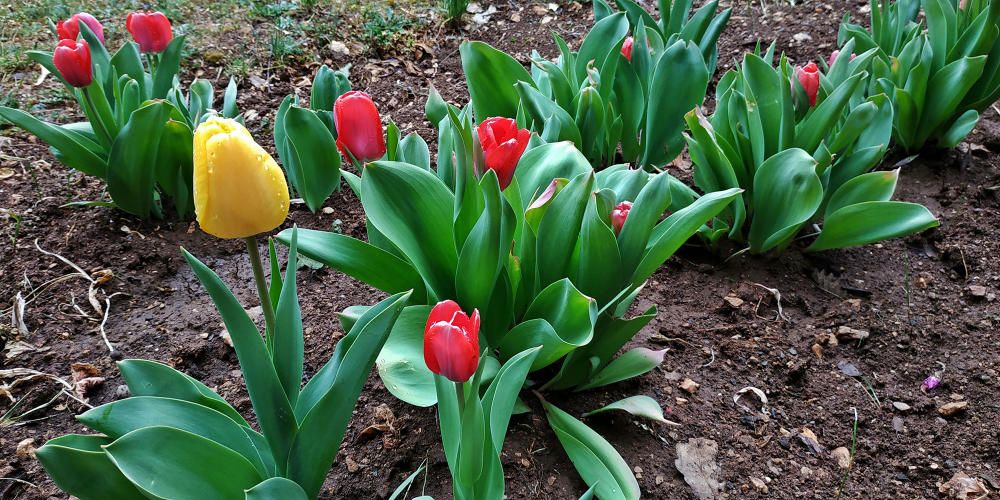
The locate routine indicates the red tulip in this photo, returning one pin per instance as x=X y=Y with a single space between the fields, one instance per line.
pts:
x=70 y=28
x=627 y=48
x=833 y=57
x=503 y=144
x=359 y=127
x=619 y=214
x=151 y=30
x=72 y=59
x=451 y=341
x=809 y=78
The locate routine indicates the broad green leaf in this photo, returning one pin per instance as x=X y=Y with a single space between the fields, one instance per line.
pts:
x=600 y=42
x=559 y=229
x=229 y=109
x=360 y=260
x=597 y=266
x=539 y=166
x=276 y=488
x=633 y=363
x=811 y=131
x=312 y=169
x=947 y=87
x=128 y=61
x=121 y=417
x=501 y=396
x=271 y=405
x=559 y=320
x=287 y=339
x=959 y=129
x=401 y=362
x=486 y=249
x=174 y=166
x=640 y=406
x=490 y=75
x=868 y=222
x=665 y=111
x=168 y=67
x=555 y=123
x=413 y=208
x=647 y=210
x=597 y=462
x=149 y=378
x=413 y=150
x=74 y=149
x=172 y=463
x=130 y=178
x=786 y=194
x=874 y=186
x=78 y=465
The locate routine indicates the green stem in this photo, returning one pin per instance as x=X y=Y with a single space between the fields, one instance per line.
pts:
x=461 y=398
x=265 y=298
x=95 y=120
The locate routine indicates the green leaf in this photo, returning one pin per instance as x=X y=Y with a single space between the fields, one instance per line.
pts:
x=167 y=68
x=597 y=462
x=501 y=396
x=874 y=186
x=171 y=463
x=78 y=465
x=128 y=61
x=487 y=247
x=490 y=75
x=130 y=179
x=360 y=260
x=786 y=194
x=277 y=488
x=313 y=171
x=872 y=221
x=174 y=167
x=405 y=485
x=827 y=113
x=559 y=319
x=274 y=412
x=149 y=378
x=413 y=208
x=124 y=416
x=401 y=362
x=600 y=42
x=546 y=115
x=665 y=111
x=287 y=336
x=328 y=400
x=559 y=229
x=649 y=206
x=597 y=267
x=633 y=363
x=959 y=129
x=540 y=165
x=640 y=406
x=74 y=150
x=413 y=150
x=229 y=109
x=948 y=87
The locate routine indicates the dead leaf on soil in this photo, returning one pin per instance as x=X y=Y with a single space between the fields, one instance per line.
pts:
x=18 y=347
x=17 y=315
x=6 y=173
x=848 y=369
x=696 y=461
x=85 y=378
x=755 y=391
x=953 y=408
x=809 y=439
x=963 y=487
x=26 y=448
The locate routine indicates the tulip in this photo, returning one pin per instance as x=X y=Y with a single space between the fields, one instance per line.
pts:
x=619 y=214
x=150 y=30
x=239 y=190
x=359 y=127
x=627 y=48
x=72 y=59
x=451 y=341
x=70 y=28
x=833 y=57
x=809 y=78
x=503 y=144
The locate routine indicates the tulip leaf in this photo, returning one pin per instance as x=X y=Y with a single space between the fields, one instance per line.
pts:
x=271 y=405
x=546 y=115
x=229 y=109
x=287 y=338
x=959 y=129
x=362 y=261
x=174 y=167
x=414 y=209
x=171 y=463
x=874 y=186
x=661 y=138
x=413 y=150
x=652 y=201
x=598 y=463
x=490 y=75
x=128 y=61
x=597 y=266
x=312 y=170
x=955 y=80
x=633 y=363
x=540 y=165
x=328 y=400
x=559 y=319
x=130 y=178
x=401 y=362
x=786 y=194
x=560 y=226
x=501 y=396
x=168 y=67
x=640 y=406
x=79 y=466
x=121 y=417
x=871 y=221
x=277 y=488
x=74 y=150
x=600 y=42
x=150 y=378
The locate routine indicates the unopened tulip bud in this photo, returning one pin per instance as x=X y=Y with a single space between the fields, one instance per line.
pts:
x=619 y=214
x=451 y=342
x=359 y=127
x=72 y=59
x=151 y=31
x=70 y=28
x=503 y=144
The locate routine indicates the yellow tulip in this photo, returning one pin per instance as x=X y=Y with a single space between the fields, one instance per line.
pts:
x=239 y=190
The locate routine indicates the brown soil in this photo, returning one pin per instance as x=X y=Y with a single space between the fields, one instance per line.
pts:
x=913 y=296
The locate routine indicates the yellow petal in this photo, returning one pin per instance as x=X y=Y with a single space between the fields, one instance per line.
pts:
x=239 y=190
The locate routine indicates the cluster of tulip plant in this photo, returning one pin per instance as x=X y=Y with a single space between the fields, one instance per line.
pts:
x=138 y=133
x=801 y=144
x=940 y=78
x=551 y=254
x=608 y=94
x=176 y=438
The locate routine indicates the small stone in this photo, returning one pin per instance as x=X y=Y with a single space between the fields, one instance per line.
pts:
x=842 y=456
x=979 y=291
x=901 y=406
x=551 y=480
x=525 y=462
x=806 y=471
x=733 y=301
x=327 y=210
x=802 y=37
x=953 y=408
x=352 y=466
x=689 y=385
x=339 y=48
x=897 y=424
x=26 y=448
x=659 y=479
x=759 y=484
x=673 y=376
x=847 y=333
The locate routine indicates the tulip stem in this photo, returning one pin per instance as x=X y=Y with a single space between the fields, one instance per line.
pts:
x=461 y=397
x=258 y=277
x=96 y=124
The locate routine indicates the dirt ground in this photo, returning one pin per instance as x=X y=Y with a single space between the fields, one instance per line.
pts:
x=924 y=304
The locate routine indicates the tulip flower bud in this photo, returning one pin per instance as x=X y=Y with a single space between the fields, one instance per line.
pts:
x=627 y=48
x=239 y=190
x=359 y=127
x=809 y=78
x=150 y=30
x=833 y=57
x=503 y=144
x=72 y=59
x=70 y=28
x=451 y=341
x=619 y=214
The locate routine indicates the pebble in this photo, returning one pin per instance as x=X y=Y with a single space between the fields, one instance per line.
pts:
x=842 y=456
x=978 y=291
x=689 y=385
x=901 y=406
x=953 y=408
x=758 y=484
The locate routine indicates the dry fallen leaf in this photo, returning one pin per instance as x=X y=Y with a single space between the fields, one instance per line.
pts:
x=26 y=448
x=953 y=408
x=696 y=461
x=963 y=487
